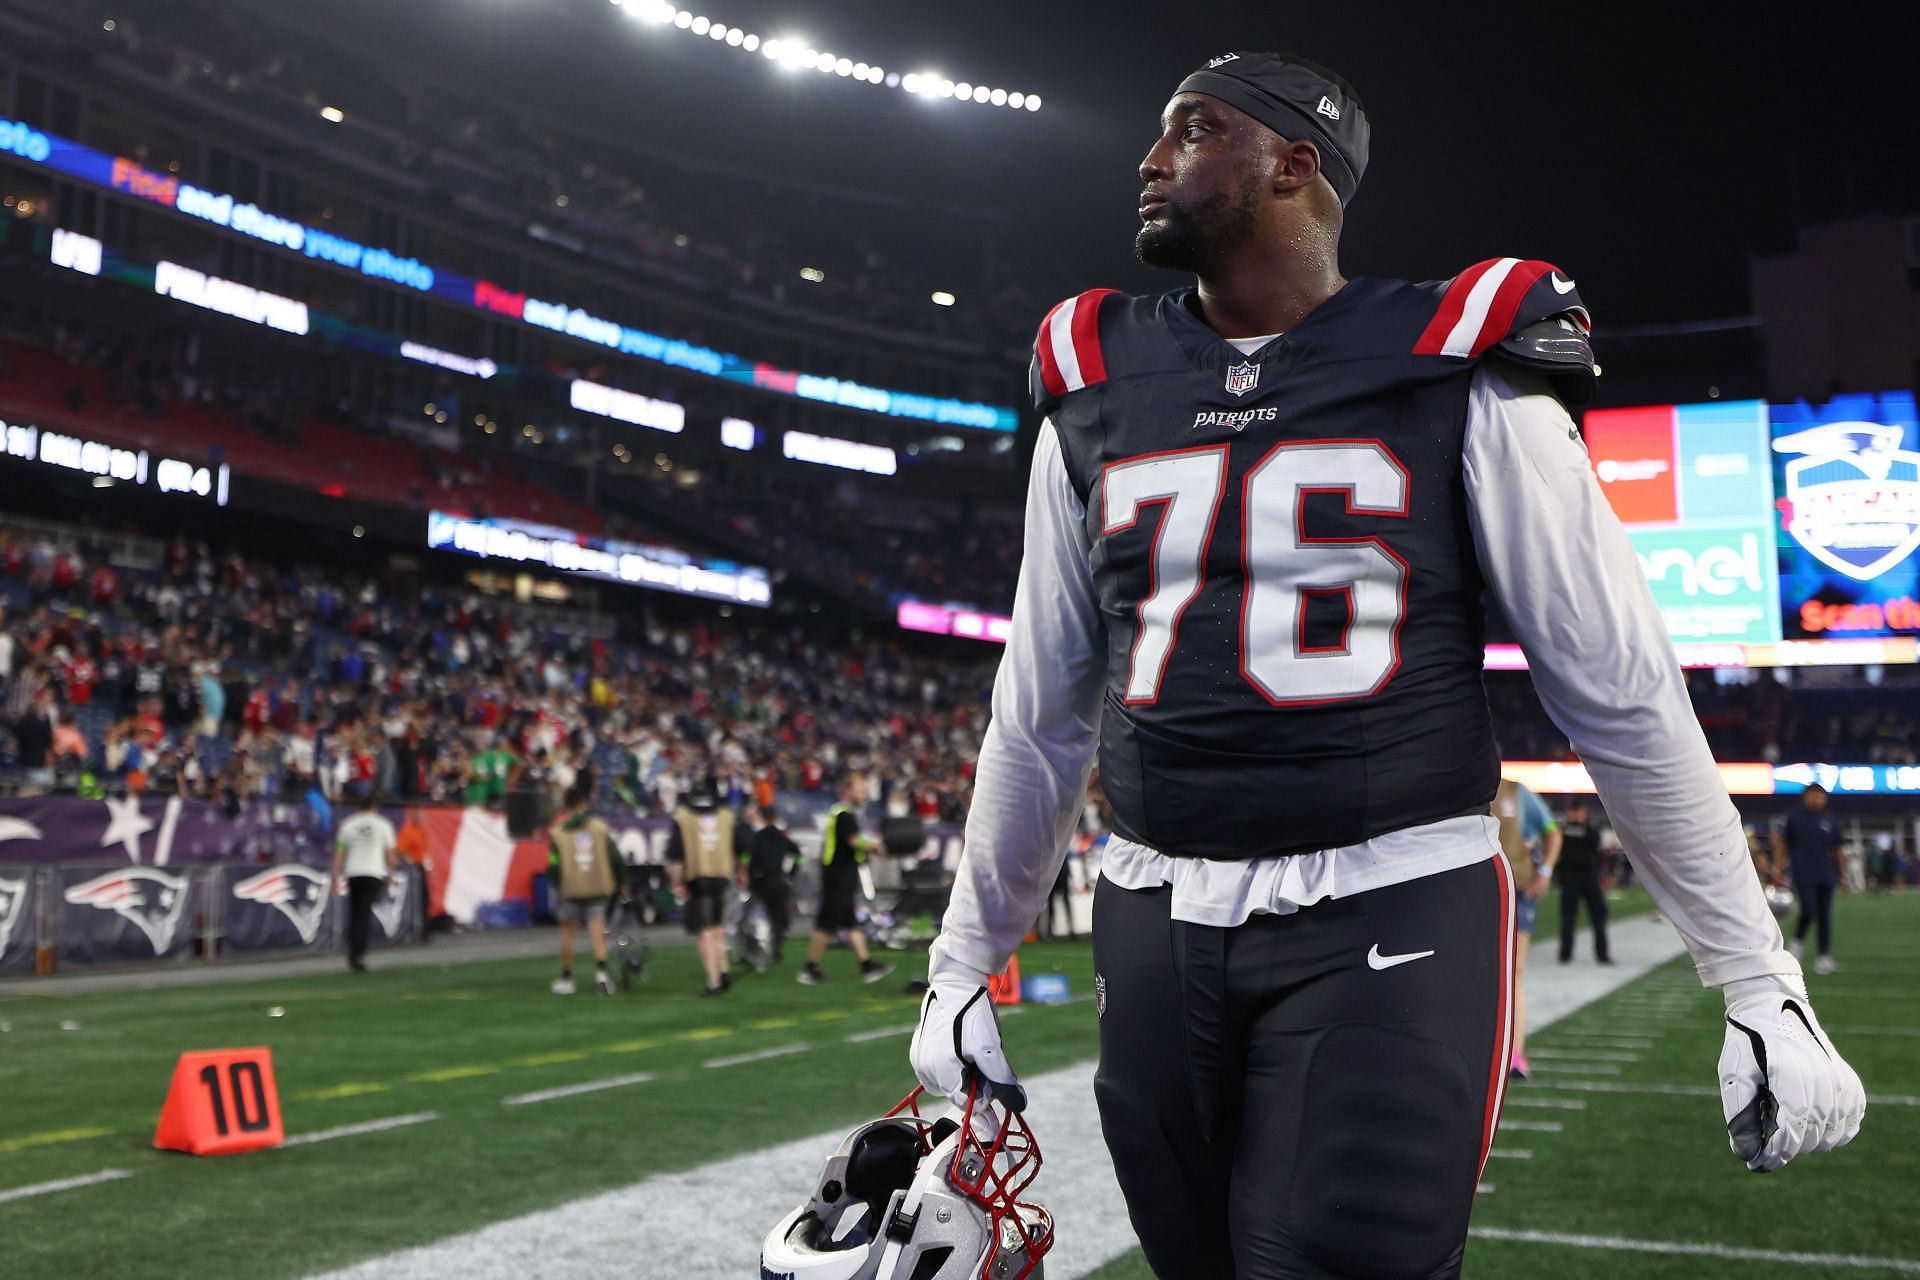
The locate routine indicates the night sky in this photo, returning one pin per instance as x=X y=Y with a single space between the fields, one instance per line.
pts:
x=1645 y=150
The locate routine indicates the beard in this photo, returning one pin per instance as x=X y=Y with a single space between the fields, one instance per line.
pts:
x=1193 y=239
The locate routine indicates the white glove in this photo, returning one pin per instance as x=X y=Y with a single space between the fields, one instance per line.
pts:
x=1785 y=1089
x=959 y=1035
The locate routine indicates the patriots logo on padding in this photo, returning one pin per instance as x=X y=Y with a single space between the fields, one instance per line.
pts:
x=391 y=907
x=297 y=892
x=153 y=901
x=13 y=901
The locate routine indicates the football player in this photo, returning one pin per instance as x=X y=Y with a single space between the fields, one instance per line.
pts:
x=1261 y=516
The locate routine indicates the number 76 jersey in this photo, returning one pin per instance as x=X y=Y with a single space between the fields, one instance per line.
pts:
x=1281 y=552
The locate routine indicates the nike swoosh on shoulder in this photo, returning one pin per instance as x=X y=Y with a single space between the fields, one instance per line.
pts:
x=1377 y=961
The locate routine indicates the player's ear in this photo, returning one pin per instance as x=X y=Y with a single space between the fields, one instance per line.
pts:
x=1295 y=165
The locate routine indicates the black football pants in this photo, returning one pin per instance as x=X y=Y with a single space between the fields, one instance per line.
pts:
x=1306 y=1096
x=362 y=893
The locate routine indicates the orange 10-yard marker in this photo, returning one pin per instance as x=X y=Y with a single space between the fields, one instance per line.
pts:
x=222 y=1101
x=1004 y=988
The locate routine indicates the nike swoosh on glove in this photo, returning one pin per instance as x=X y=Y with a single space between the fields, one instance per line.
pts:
x=959 y=1034
x=1786 y=1091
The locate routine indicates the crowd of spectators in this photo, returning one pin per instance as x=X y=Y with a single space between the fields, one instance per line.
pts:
x=216 y=675
x=179 y=668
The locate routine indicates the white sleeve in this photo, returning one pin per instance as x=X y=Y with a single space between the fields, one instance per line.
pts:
x=1031 y=778
x=1560 y=566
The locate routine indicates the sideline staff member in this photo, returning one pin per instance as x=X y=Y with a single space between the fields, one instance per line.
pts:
x=842 y=854
x=367 y=849
x=584 y=870
x=702 y=854
x=1809 y=843
x=771 y=859
x=1579 y=875
x=1525 y=821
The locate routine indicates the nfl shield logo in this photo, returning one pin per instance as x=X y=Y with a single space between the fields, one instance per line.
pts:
x=1853 y=496
x=1242 y=378
x=1099 y=995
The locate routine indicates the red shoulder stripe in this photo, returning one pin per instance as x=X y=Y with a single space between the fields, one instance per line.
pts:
x=1086 y=336
x=1068 y=347
x=1050 y=377
x=1434 y=337
x=1506 y=303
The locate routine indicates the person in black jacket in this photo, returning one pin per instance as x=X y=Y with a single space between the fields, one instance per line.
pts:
x=1578 y=872
x=771 y=858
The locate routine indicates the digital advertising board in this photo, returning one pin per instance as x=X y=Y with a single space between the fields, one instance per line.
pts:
x=1692 y=485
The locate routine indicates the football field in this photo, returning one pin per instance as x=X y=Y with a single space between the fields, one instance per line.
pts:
x=459 y=1120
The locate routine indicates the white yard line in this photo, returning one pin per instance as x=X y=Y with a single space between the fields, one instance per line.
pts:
x=1849 y=1261
x=1583 y=1055
x=1556 y=1104
x=365 y=1126
x=1531 y=1126
x=574 y=1090
x=64 y=1184
x=758 y=1055
x=1694 y=1091
x=1578 y=1068
x=1560 y=1038
x=1510 y=1153
x=861 y=1037
x=1484 y=1189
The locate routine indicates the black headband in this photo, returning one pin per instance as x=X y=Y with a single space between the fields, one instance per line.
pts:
x=1298 y=100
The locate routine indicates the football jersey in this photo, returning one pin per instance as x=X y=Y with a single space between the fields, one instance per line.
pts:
x=1282 y=556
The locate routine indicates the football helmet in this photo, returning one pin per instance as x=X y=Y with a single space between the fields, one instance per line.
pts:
x=912 y=1196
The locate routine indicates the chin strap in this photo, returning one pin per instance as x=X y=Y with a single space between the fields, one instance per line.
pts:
x=906 y=1210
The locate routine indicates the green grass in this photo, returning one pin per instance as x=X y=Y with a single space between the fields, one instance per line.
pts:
x=290 y=1212
x=1648 y=1167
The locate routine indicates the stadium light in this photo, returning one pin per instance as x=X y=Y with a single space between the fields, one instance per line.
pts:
x=332 y=115
x=792 y=54
x=941 y=298
x=812 y=275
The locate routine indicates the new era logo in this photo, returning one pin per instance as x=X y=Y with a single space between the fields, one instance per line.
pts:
x=1327 y=109
x=1223 y=60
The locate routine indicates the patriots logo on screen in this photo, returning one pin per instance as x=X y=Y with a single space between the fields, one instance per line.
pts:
x=1242 y=378
x=153 y=901
x=13 y=901
x=297 y=892
x=1853 y=496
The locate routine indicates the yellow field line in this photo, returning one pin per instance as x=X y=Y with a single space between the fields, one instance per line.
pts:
x=451 y=1073
x=705 y=1033
x=828 y=1015
x=629 y=1046
x=545 y=1059
x=352 y=1089
x=770 y=1024
x=50 y=1138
